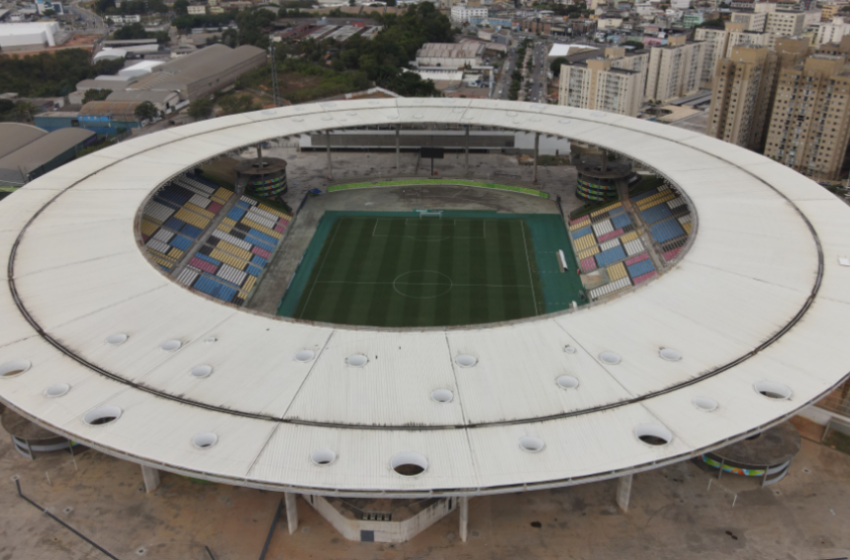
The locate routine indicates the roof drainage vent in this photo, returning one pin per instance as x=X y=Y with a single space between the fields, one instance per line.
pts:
x=705 y=403
x=442 y=396
x=14 y=368
x=610 y=358
x=201 y=371
x=409 y=463
x=102 y=415
x=171 y=345
x=57 y=390
x=670 y=355
x=323 y=457
x=567 y=382
x=304 y=355
x=653 y=434
x=117 y=339
x=569 y=349
x=772 y=390
x=205 y=440
x=357 y=360
x=531 y=444
x=465 y=360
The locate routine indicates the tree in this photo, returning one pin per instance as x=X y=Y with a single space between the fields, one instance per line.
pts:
x=24 y=110
x=713 y=24
x=96 y=95
x=181 y=7
x=49 y=12
x=555 y=66
x=233 y=104
x=636 y=44
x=200 y=108
x=145 y=111
x=132 y=31
x=352 y=2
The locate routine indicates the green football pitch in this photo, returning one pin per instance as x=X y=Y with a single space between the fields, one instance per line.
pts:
x=423 y=271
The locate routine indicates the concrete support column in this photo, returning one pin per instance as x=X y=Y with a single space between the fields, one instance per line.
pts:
x=624 y=492
x=536 y=151
x=330 y=163
x=291 y=511
x=397 y=150
x=467 y=150
x=464 y=518
x=151 y=478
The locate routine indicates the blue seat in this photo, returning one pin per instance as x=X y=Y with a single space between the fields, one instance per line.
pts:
x=666 y=230
x=254 y=270
x=581 y=232
x=262 y=236
x=258 y=260
x=610 y=256
x=620 y=221
x=182 y=243
x=174 y=224
x=191 y=231
x=656 y=213
x=640 y=268
x=236 y=214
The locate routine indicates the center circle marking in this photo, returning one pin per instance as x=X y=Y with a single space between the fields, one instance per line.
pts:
x=408 y=284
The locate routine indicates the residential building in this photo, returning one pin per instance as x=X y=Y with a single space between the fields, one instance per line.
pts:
x=748 y=39
x=832 y=32
x=675 y=70
x=810 y=122
x=196 y=9
x=714 y=48
x=738 y=113
x=461 y=13
x=752 y=21
x=597 y=84
x=829 y=11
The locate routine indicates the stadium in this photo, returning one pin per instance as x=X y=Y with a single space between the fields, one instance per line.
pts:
x=371 y=347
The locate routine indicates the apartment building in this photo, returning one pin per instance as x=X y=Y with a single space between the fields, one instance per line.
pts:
x=745 y=86
x=461 y=13
x=833 y=31
x=738 y=113
x=752 y=21
x=675 y=70
x=810 y=122
x=830 y=10
x=598 y=84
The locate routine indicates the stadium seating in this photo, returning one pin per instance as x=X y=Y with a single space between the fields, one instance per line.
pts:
x=607 y=244
x=228 y=265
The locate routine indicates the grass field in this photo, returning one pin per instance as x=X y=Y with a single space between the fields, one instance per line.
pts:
x=417 y=272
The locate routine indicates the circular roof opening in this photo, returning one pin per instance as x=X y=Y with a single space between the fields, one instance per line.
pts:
x=670 y=355
x=323 y=456
x=610 y=358
x=531 y=444
x=304 y=355
x=14 y=368
x=102 y=415
x=653 y=434
x=204 y=440
x=357 y=360
x=171 y=345
x=465 y=360
x=117 y=339
x=57 y=390
x=567 y=382
x=772 y=390
x=705 y=403
x=409 y=463
x=569 y=349
x=201 y=371
x=442 y=396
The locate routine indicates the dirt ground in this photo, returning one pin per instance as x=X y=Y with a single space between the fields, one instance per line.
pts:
x=673 y=515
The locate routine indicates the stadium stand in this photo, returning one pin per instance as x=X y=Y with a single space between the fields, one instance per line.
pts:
x=228 y=265
x=607 y=244
x=229 y=262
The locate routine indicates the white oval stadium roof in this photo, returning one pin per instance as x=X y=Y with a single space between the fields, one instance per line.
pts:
x=756 y=311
